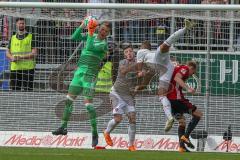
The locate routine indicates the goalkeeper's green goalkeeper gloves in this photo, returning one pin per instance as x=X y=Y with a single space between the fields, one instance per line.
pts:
x=92 y=25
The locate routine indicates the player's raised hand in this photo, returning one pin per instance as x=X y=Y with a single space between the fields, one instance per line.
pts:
x=84 y=22
x=141 y=74
x=191 y=90
x=92 y=25
x=12 y=58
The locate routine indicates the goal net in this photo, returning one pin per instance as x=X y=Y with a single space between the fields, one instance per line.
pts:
x=213 y=43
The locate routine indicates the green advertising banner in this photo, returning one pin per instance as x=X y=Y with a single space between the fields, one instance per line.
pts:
x=223 y=72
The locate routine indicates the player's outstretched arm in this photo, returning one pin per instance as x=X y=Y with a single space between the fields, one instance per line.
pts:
x=131 y=68
x=179 y=80
x=78 y=35
x=146 y=78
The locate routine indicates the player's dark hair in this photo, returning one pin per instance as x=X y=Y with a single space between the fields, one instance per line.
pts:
x=192 y=64
x=128 y=46
x=20 y=19
x=146 y=45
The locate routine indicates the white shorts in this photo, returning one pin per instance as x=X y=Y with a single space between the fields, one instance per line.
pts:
x=166 y=77
x=164 y=81
x=120 y=105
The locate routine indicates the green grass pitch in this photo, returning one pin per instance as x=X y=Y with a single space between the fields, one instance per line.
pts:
x=85 y=154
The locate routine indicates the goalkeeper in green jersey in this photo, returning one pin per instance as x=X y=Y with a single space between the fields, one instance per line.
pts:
x=85 y=76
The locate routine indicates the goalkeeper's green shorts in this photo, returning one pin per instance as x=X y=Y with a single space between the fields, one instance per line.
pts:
x=83 y=83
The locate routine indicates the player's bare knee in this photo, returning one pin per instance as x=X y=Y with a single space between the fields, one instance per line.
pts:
x=70 y=97
x=132 y=117
x=182 y=122
x=164 y=48
x=87 y=100
x=197 y=113
x=118 y=118
x=162 y=91
x=200 y=114
x=132 y=120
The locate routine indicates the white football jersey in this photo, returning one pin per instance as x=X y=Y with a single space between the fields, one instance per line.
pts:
x=156 y=57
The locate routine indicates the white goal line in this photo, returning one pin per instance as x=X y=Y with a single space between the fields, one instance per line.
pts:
x=120 y=6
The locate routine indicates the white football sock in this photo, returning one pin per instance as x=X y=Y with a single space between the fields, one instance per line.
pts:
x=131 y=133
x=175 y=36
x=166 y=106
x=111 y=125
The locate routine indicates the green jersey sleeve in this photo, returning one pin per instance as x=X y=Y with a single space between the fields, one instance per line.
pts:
x=78 y=35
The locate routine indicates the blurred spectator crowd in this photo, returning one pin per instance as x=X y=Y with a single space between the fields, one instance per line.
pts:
x=54 y=42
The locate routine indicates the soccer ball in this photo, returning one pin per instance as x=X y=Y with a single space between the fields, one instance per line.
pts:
x=88 y=18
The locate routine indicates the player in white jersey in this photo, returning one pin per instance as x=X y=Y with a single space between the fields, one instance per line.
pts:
x=162 y=58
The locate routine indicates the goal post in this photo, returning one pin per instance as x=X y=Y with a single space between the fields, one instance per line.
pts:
x=216 y=7
x=214 y=43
